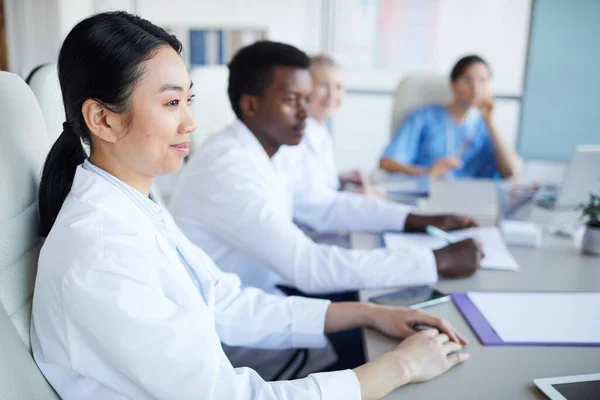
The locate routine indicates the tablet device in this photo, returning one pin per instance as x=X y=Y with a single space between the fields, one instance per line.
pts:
x=577 y=387
x=413 y=297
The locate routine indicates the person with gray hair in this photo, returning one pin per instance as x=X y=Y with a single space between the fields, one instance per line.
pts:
x=328 y=94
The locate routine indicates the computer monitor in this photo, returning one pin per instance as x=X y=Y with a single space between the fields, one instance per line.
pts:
x=582 y=177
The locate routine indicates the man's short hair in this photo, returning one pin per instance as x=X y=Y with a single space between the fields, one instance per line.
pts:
x=250 y=70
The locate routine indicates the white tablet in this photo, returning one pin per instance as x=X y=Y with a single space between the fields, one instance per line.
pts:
x=576 y=387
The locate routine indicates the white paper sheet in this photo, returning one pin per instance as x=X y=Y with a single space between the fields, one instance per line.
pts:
x=497 y=255
x=542 y=317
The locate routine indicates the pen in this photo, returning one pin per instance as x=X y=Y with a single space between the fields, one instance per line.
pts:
x=438 y=233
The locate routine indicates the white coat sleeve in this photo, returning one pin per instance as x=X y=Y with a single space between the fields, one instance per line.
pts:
x=236 y=208
x=325 y=209
x=169 y=350
x=250 y=317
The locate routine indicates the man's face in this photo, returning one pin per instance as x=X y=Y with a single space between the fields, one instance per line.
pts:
x=280 y=113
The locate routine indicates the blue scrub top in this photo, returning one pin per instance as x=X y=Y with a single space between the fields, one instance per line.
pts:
x=430 y=133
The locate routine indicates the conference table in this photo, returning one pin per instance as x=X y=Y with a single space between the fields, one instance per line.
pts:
x=498 y=372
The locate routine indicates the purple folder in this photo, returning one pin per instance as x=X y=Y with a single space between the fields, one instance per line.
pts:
x=486 y=334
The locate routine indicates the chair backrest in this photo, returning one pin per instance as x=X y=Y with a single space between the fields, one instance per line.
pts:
x=212 y=110
x=417 y=90
x=23 y=146
x=46 y=87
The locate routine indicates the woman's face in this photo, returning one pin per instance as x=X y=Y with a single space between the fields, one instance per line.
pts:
x=156 y=136
x=473 y=85
x=328 y=91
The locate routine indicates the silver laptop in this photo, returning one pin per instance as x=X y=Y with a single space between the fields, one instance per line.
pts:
x=581 y=179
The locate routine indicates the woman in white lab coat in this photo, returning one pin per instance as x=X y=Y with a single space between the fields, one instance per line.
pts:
x=328 y=93
x=124 y=305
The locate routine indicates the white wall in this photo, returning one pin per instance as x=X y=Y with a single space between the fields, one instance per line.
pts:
x=35 y=28
x=71 y=12
x=498 y=30
x=285 y=21
x=32 y=34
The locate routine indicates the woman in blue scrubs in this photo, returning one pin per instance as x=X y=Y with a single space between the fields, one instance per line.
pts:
x=455 y=140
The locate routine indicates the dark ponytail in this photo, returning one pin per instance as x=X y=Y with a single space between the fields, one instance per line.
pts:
x=100 y=59
x=59 y=170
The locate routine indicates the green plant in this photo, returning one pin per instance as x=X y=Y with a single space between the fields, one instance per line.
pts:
x=591 y=211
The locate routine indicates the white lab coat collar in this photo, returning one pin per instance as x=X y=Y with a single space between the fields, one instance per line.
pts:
x=247 y=139
x=286 y=155
x=95 y=190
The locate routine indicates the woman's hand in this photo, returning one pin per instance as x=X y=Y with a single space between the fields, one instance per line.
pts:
x=486 y=106
x=420 y=357
x=428 y=354
x=443 y=165
x=362 y=183
x=400 y=322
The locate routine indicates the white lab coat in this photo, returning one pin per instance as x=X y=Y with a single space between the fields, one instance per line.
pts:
x=317 y=150
x=239 y=205
x=116 y=314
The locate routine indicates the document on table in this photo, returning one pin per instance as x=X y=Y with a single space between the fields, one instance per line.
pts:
x=542 y=318
x=497 y=255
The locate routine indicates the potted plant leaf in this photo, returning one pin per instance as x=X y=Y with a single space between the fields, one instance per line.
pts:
x=591 y=237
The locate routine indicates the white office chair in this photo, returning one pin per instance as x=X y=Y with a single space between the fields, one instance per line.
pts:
x=212 y=110
x=23 y=146
x=416 y=90
x=46 y=87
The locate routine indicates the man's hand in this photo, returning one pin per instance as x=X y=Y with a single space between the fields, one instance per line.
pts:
x=458 y=259
x=449 y=222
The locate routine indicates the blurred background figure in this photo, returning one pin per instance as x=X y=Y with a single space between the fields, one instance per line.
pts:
x=327 y=97
x=458 y=139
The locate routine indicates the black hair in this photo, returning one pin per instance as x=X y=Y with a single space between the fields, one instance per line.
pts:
x=250 y=70
x=99 y=59
x=461 y=66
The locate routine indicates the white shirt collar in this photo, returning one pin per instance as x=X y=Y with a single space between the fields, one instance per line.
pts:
x=247 y=139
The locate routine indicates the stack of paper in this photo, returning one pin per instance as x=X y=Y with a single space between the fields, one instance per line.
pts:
x=496 y=253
